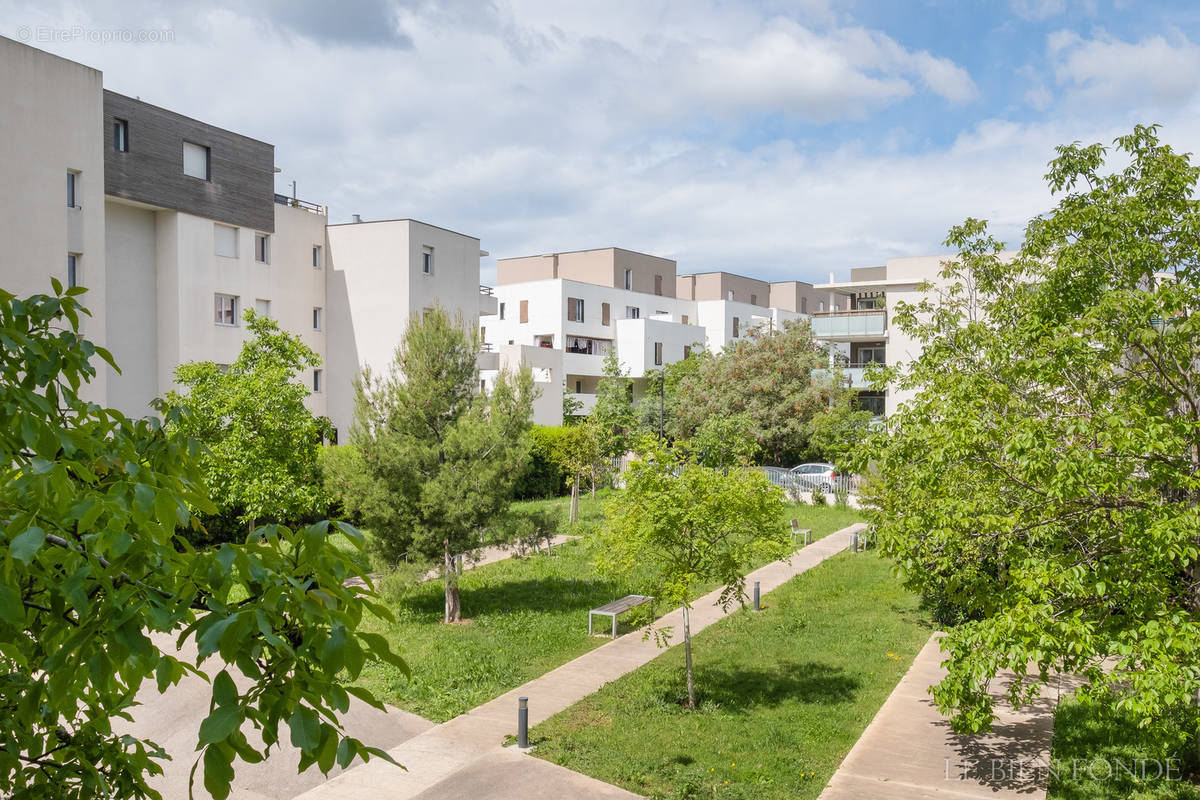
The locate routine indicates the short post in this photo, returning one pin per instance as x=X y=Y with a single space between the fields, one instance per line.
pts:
x=757 y=605
x=854 y=541
x=522 y=722
x=458 y=563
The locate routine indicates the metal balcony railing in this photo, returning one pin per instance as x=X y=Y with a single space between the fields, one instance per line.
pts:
x=284 y=200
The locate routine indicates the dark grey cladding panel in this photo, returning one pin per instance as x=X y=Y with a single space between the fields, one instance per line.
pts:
x=242 y=187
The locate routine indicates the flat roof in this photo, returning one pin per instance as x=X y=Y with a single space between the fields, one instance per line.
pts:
x=402 y=219
x=588 y=250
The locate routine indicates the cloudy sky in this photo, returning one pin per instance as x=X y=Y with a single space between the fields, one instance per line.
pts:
x=776 y=139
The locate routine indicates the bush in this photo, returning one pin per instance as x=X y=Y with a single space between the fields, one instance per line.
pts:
x=817 y=497
x=543 y=477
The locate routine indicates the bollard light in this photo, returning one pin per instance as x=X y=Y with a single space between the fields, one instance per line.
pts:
x=522 y=722
x=757 y=605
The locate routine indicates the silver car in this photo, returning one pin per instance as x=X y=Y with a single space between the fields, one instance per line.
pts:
x=814 y=476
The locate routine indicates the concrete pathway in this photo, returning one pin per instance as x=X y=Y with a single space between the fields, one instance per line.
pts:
x=477 y=558
x=172 y=719
x=908 y=752
x=464 y=756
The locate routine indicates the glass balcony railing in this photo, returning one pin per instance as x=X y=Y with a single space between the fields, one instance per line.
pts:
x=867 y=323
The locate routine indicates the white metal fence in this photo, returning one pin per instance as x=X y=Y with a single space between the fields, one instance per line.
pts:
x=793 y=483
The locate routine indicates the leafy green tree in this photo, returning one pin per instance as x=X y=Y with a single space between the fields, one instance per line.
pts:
x=838 y=434
x=654 y=408
x=440 y=458
x=1045 y=480
x=260 y=440
x=766 y=375
x=570 y=406
x=578 y=452
x=92 y=565
x=723 y=442
x=543 y=475
x=685 y=525
x=614 y=411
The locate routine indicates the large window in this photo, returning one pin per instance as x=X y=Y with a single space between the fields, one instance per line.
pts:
x=226 y=309
x=225 y=241
x=197 y=161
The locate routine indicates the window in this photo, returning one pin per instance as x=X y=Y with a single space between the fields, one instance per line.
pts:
x=605 y=314
x=729 y=295
x=684 y=318
x=262 y=307
x=225 y=241
x=120 y=135
x=226 y=309
x=502 y=311
x=872 y=355
x=427 y=260
x=197 y=161
x=262 y=248
x=72 y=270
x=803 y=305
x=318 y=380
x=578 y=387
x=574 y=309
x=72 y=189
x=821 y=306
x=317 y=314
x=658 y=285
x=753 y=299
x=632 y=312
x=658 y=354
x=317 y=256
x=735 y=327
x=524 y=311
x=629 y=279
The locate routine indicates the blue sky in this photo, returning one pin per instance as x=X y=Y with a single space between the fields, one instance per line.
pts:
x=784 y=140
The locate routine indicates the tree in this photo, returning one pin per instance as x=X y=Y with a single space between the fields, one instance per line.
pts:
x=688 y=525
x=92 y=565
x=614 y=410
x=768 y=376
x=440 y=458
x=656 y=408
x=1045 y=481
x=578 y=452
x=723 y=442
x=260 y=441
x=838 y=433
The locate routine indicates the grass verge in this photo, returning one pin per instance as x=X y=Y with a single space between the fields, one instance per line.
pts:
x=1101 y=754
x=783 y=694
x=524 y=617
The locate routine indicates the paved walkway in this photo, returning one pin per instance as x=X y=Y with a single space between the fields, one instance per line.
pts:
x=477 y=558
x=908 y=752
x=464 y=757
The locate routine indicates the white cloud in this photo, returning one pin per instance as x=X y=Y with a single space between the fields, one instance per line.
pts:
x=1041 y=10
x=1155 y=71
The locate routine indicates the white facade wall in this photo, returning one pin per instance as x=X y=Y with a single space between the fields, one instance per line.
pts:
x=51 y=118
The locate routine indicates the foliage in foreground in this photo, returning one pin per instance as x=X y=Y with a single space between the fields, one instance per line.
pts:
x=783 y=694
x=92 y=565
x=690 y=525
x=437 y=458
x=1046 y=479
x=260 y=442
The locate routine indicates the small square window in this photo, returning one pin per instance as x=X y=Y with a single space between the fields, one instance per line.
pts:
x=72 y=189
x=73 y=260
x=633 y=312
x=226 y=309
x=120 y=135
x=197 y=161
x=262 y=248
x=262 y=307
x=317 y=314
x=427 y=260
x=317 y=257
x=753 y=299
x=225 y=241
x=318 y=380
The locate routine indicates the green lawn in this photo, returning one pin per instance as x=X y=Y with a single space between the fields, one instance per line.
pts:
x=783 y=693
x=1095 y=748
x=524 y=617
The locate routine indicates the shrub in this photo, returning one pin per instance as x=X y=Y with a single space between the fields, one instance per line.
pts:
x=543 y=477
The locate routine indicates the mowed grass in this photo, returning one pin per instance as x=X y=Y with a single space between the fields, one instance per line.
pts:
x=783 y=694
x=523 y=617
x=1095 y=749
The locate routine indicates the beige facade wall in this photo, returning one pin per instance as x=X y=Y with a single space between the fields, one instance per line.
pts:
x=526 y=268
x=718 y=285
x=51 y=116
x=796 y=296
x=603 y=267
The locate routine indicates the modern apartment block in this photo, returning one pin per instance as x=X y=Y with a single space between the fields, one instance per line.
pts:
x=562 y=313
x=174 y=227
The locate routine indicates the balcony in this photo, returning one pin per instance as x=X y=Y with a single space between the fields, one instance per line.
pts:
x=488 y=304
x=848 y=326
x=587 y=401
x=855 y=374
x=284 y=200
x=582 y=363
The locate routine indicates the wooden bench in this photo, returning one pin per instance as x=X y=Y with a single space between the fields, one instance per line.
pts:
x=797 y=531
x=617 y=607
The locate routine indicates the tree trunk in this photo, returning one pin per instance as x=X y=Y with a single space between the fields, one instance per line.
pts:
x=687 y=657
x=575 y=499
x=453 y=606
x=593 y=481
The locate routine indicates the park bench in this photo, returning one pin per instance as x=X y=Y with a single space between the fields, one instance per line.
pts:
x=797 y=532
x=617 y=607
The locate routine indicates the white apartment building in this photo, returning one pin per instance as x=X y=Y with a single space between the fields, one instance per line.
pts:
x=175 y=229
x=562 y=313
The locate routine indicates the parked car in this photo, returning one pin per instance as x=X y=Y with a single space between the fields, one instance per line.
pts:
x=814 y=476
